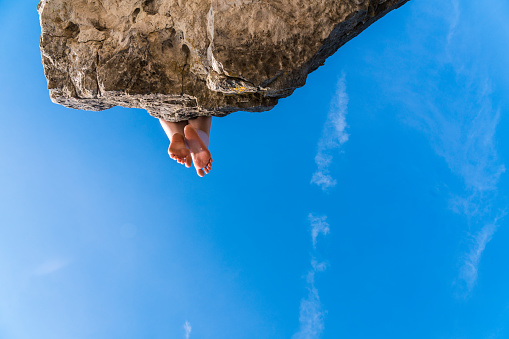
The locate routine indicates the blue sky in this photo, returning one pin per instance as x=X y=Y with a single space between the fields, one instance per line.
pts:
x=370 y=204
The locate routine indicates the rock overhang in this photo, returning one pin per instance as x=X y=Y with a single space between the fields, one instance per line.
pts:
x=180 y=59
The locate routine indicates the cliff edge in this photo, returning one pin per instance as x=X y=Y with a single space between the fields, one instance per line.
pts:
x=180 y=59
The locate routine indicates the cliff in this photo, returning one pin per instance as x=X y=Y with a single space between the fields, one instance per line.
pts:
x=179 y=59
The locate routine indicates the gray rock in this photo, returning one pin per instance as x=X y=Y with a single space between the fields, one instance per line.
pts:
x=180 y=59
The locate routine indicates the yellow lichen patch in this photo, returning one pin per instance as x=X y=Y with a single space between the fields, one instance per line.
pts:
x=240 y=89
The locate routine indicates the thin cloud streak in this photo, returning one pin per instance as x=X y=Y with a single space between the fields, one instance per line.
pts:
x=51 y=266
x=454 y=21
x=469 y=270
x=187 y=329
x=477 y=159
x=333 y=136
x=319 y=226
x=311 y=313
x=461 y=122
x=311 y=316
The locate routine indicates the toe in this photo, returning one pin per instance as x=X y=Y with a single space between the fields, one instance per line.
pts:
x=189 y=162
x=200 y=172
x=206 y=170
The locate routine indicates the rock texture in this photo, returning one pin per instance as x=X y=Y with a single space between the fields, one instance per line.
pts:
x=180 y=59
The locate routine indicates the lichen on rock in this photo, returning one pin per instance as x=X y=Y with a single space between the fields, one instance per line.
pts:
x=181 y=59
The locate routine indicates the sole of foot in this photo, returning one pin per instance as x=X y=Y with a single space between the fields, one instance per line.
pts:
x=202 y=159
x=178 y=150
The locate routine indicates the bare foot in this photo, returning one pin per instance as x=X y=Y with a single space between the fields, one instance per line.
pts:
x=199 y=151
x=178 y=150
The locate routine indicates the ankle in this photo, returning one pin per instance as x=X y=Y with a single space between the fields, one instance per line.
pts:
x=177 y=137
x=203 y=136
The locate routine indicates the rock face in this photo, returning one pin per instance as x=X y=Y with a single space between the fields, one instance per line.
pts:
x=180 y=59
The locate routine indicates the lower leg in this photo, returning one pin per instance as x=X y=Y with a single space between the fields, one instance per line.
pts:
x=202 y=123
x=170 y=128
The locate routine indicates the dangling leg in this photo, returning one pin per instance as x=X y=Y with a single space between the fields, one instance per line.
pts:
x=177 y=150
x=197 y=134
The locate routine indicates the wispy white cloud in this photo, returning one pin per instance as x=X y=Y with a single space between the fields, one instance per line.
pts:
x=187 y=329
x=333 y=136
x=453 y=104
x=471 y=263
x=51 y=266
x=473 y=154
x=311 y=313
x=455 y=18
x=319 y=226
